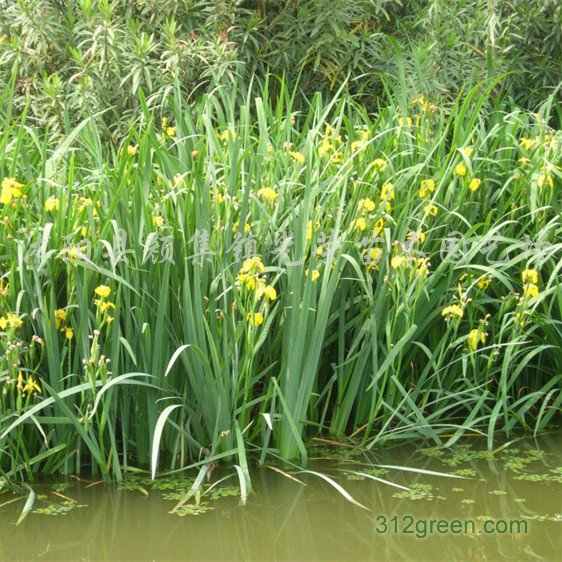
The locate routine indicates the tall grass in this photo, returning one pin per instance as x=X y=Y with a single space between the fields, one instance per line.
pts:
x=395 y=296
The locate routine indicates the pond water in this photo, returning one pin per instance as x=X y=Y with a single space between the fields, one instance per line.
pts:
x=508 y=505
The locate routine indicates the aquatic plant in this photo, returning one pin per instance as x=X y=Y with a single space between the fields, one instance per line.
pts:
x=237 y=278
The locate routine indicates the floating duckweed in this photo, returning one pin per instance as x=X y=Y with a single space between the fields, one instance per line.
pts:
x=173 y=484
x=432 y=452
x=191 y=509
x=58 y=508
x=457 y=489
x=464 y=453
x=554 y=475
x=372 y=471
x=352 y=476
x=516 y=463
x=536 y=453
x=178 y=490
x=173 y=489
x=498 y=493
x=468 y=501
x=223 y=492
x=331 y=453
x=175 y=496
x=377 y=471
x=465 y=472
x=418 y=491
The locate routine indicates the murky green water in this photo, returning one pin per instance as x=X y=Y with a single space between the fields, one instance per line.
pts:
x=283 y=520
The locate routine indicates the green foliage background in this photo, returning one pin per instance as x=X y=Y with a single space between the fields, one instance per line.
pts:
x=74 y=59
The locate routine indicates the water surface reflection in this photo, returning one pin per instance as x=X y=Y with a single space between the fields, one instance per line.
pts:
x=286 y=521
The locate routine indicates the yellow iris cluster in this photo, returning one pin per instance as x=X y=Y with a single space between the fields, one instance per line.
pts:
x=474 y=184
x=360 y=143
x=461 y=169
x=549 y=142
x=330 y=146
x=254 y=319
x=74 y=252
x=430 y=210
x=475 y=337
x=406 y=122
x=310 y=229
x=374 y=256
x=60 y=319
x=84 y=206
x=478 y=336
x=452 y=311
x=167 y=129
x=267 y=194
x=250 y=278
x=219 y=194
x=420 y=265
x=484 y=282
x=545 y=179
x=104 y=305
x=398 y=262
x=297 y=156
x=4 y=289
x=456 y=310
x=530 y=279
x=312 y=274
x=387 y=195
x=52 y=204
x=379 y=165
x=424 y=104
x=11 y=189
x=427 y=187
x=29 y=387
x=366 y=205
x=226 y=135
x=11 y=320
x=86 y=202
x=529 y=144
x=365 y=208
x=235 y=226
